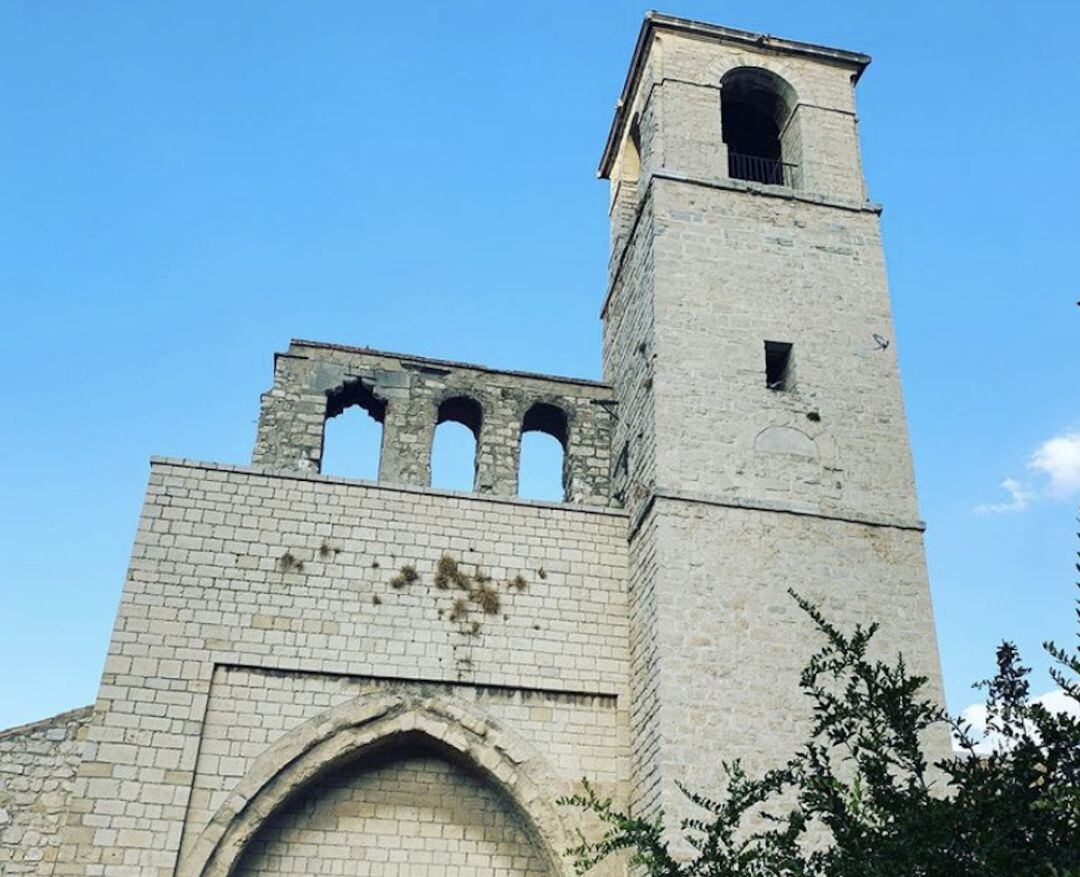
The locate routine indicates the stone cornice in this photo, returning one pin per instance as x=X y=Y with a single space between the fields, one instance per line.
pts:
x=382 y=486
x=762 y=505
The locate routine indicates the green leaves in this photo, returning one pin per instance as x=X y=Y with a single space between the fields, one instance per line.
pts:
x=858 y=798
x=621 y=831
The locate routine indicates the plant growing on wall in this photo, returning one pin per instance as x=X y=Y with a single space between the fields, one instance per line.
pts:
x=289 y=562
x=475 y=593
x=487 y=598
x=407 y=575
x=858 y=798
x=448 y=574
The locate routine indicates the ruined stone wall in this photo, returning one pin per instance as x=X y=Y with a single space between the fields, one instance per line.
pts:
x=255 y=600
x=37 y=770
x=312 y=381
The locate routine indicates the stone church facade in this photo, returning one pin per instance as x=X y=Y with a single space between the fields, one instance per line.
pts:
x=317 y=675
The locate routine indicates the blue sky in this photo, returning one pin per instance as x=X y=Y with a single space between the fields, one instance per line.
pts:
x=184 y=187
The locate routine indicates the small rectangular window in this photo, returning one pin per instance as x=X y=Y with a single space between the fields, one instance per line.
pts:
x=778 y=365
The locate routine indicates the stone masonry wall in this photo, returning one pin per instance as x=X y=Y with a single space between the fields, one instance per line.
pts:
x=733 y=272
x=37 y=770
x=629 y=359
x=407 y=391
x=249 y=709
x=410 y=813
x=744 y=490
x=299 y=581
x=731 y=642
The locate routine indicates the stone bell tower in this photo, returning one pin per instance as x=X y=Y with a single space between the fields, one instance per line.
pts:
x=761 y=441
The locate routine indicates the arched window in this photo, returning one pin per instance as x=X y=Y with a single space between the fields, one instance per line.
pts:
x=453 y=450
x=755 y=109
x=352 y=434
x=542 y=465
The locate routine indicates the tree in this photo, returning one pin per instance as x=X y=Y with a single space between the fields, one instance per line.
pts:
x=861 y=782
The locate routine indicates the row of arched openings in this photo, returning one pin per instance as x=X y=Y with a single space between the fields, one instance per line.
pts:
x=353 y=437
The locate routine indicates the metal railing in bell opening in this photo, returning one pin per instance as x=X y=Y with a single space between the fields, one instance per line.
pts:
x=760 y=170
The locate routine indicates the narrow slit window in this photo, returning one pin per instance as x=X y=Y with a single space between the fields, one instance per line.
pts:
x=778 y=374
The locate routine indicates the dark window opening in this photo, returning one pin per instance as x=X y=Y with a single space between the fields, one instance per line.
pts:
x=542 y=464
x=454 y=448
x=549 y=419
x=778 y=372
x=752 y=117
x=461 y=409
x=352 y=433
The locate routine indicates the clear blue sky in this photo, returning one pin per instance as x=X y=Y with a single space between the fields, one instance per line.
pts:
x=185 y=186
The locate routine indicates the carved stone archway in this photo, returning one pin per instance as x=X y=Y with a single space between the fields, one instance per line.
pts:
x=365 y=726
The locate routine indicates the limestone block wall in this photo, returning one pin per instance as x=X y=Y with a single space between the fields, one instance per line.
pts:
x=38 y=763
x=406 y=812
x=732 y=272
x=728 y=642
x=315 y=381
x=646 y=662
x=258 y=603
x=737 y=489
x=249 y=709
x=629 y=360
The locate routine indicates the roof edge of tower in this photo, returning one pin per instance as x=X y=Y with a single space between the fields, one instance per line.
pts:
x=655 y=21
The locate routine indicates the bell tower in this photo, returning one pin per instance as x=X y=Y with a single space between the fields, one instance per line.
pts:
x=761 y=441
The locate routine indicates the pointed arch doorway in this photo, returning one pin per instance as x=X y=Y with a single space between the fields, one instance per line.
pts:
x=389 y=785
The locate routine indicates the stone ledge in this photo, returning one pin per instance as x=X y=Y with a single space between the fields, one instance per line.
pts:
x=785 y=193
x=765 y=505
x=294 y=475
x=607 y=695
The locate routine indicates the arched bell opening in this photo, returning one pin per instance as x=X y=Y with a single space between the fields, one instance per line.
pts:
x=456 y=443
x=543 y=460
x=353 y=432
x=756 y=108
